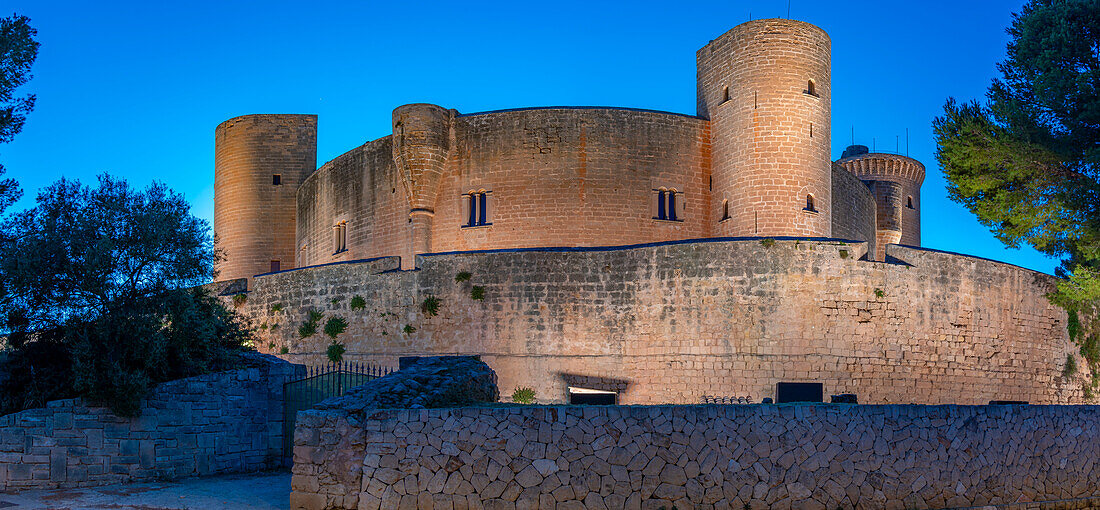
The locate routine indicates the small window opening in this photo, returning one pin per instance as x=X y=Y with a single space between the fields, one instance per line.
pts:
x=585 y=396
x=477 y=207
x=274 y=266
x=276 y=179
x=909 y=202
x=667 y=205
x=811 y=88
x=725 y=94
x=811 y=130
x=725 y=210
x=339 y=237
x=810 y=204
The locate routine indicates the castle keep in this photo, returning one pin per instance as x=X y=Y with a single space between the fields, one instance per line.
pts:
x=657 y=256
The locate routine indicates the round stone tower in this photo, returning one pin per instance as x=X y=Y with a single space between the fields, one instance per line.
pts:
x=895 y=181
x=259 y=162
x=765 y=86
x=421 y=144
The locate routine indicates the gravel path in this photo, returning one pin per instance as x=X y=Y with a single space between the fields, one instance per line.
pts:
x=256 y=491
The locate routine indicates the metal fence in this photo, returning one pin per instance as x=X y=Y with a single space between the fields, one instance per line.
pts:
x=318 y=383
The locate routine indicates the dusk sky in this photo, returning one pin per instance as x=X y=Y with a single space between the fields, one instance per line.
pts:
x=136 y=88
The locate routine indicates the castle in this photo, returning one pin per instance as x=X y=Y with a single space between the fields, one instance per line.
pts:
x=633 y=252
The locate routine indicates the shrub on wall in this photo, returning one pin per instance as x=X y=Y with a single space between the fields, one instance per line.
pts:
x=430 y=305
x=358 y=303
x=477 y=292
x=309 y=327
x=464 y=276
x=335 y=326
x=523 y=396
x=335 y=352
x=409 y=329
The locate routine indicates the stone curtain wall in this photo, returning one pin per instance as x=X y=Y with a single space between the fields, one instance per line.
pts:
x=217 y=423
x=853 y=209
x=557 y=177
x=762 y=456
x=671 y=323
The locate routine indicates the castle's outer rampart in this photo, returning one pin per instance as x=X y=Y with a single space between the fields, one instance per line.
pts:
x=675 y=322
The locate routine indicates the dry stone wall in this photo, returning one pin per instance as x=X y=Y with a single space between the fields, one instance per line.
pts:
x=674 y=322
x=751 y=456
x=217 y=423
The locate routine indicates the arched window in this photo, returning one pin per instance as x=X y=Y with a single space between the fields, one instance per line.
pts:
x=810 y=203
x=725 y=94
x=667 y=204
x=909 y=202
x=340 y=237
x=477 y=208
x=811 y=88
x=725 y=210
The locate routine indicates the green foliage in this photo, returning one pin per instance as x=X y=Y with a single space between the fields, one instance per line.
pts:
x=1026 y=162
x=335 y=352
x=263 y=327
x=309 y=327
x=334 y=326
x=276 y=308
x=409 y=329
x=767 y=242
x=99 y=275
x=240 y=299
x=523 y=395
x=477 y=292
x=464 y=276
x=1070 y=367
x=1073 y=325
x=335 y=301
x=1090 y=350
x=430 y=305
x=879 y=293
x=18 y=51
x=843 y=254
x=284 y=350
x=358 y=303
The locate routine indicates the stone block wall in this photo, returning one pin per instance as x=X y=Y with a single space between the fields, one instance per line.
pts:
x=853 y=209
x=751 y=456
x=673 y=322
x=224 y=422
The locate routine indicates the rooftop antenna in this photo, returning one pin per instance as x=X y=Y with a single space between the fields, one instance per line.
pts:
x=897 y=146
x=906 y=142
x=873 y=144
x=788 y=9
x=853 y=134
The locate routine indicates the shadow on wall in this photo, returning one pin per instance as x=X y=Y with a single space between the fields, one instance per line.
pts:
x=587 y=389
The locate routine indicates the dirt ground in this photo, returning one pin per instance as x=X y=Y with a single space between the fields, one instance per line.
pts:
x=255 y=491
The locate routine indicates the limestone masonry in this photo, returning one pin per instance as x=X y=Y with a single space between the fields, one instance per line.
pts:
x=634 y=255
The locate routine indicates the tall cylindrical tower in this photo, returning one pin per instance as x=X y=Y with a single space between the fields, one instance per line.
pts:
x=421 y=143
x=259 y=162
x=765 y=86
x=895 y=181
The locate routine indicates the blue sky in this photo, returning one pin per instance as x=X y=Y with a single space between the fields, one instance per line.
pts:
x=136 y=88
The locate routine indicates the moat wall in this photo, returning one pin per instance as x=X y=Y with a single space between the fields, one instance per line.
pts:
x=750 y=456
x=674 y=322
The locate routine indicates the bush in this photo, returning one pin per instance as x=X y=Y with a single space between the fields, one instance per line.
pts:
x=307 y=329
x=358 y=303
x=335 y=352
x=240 y=299
x=463 y=277
x=276 y=308
x=767 y=243
x=523 y=396
x=1070 y=368
x=409 y=329
x=335 y=326
x=430 y=305
x=879 y=293
x=477 y=293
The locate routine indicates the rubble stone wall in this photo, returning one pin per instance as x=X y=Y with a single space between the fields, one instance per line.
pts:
x=225 y=422
x=762 y=456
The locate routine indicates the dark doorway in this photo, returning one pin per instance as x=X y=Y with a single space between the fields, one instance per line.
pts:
x=798 y=392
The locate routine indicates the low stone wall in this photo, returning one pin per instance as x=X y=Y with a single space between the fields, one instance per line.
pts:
x=763 y=456
x=216 y=423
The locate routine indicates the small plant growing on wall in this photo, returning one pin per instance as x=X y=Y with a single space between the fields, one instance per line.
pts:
x=523 y=396
x=309 y=327
x=335 y=326
x=335 y=352
x=335 y=301
x=1070 y=368
x=284 y=350
x=430 y=305
x=358 y=303
x=767 y=243
x=843 y=254
x=463 y=277
x=409 y=329
x=240 y=299
x=477 y=292
x=879 y=293
x=276 y=308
